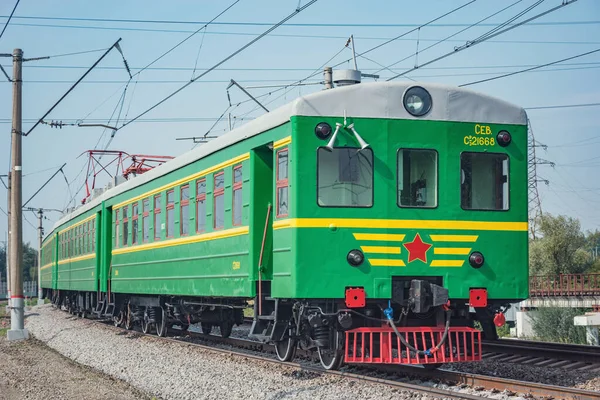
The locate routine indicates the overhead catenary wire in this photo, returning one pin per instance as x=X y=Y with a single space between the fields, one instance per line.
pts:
x=453 y=35
x=318 y=71
x=72 y=88
x=9 y=18
x=303 y=24
x=189 y=37
x=298 y=69
x=470 y=44
x=265 y=33
x=529 y=69
x=563 y=106
x=123 y=96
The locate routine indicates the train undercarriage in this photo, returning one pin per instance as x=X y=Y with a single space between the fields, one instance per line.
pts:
x=419 y=326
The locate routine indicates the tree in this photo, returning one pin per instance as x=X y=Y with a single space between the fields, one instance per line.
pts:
x=30 y=256
x=555 y=324
x=561 y=248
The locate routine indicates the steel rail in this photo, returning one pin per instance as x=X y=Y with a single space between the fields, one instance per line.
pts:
x=473 y=380
x=459 y=378
x=558 y=351
x=257 y=346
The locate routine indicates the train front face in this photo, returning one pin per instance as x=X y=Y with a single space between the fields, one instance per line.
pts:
x=423 y=205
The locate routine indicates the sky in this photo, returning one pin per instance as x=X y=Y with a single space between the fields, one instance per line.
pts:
x=568 y=135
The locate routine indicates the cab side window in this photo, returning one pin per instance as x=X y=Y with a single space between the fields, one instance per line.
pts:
x=484 y=181
x=282 y=184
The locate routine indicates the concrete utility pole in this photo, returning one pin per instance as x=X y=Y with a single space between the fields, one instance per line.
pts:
x=17 y=326
x=39 y=275
x=8 y=246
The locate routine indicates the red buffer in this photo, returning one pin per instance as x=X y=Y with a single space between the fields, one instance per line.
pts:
x=355 y=297
x=478 y=298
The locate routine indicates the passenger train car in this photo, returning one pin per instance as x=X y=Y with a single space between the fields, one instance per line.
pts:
x=373 y=223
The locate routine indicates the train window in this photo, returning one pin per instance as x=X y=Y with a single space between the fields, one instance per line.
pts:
x=219 y=210
x=237 y=195
x=157 y=227
x=93 y=235
x=125 y=225
x=484 y=181
x=134 y=223
x=417 y=178
x=117 y=228
x=201 y=205
x=170 y=213
x=345 y=177
x=85 y=238
x=184 y=215
x=146 y=220
x=282 y=183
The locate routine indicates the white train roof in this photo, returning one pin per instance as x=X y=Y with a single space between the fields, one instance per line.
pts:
x=364 y=100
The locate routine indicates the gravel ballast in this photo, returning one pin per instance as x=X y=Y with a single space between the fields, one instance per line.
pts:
x=178 y=371
x=30 y=370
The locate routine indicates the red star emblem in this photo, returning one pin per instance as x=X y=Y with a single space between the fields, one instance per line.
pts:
x=417 y=249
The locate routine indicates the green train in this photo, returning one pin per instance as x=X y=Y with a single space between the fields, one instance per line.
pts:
x=371 y=223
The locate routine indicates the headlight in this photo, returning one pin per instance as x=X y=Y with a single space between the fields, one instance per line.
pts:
x=323 y=130
x=503 y=138
x=417 y=101
x=476 y=259
x=355 y=258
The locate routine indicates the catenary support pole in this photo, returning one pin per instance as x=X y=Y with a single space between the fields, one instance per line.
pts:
x=17 y=326
x=8 y=246
x=39 y=274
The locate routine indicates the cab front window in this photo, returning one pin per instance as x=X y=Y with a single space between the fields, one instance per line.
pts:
x=345 y=177
x=484 y=181
x=417 y=178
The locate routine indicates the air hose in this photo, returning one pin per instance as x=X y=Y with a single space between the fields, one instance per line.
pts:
x=429 y=352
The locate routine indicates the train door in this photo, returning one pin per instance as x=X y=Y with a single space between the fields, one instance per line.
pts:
x=106 y=239
x=261 y=219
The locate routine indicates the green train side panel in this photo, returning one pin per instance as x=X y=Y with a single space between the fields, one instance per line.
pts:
x=215 y=268
x=318 y=267
x=78 y=273
x=49 y=256
x=220 y=262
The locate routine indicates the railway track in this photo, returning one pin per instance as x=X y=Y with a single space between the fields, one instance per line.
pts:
x=537 y=354
x=543 y=354
x=458 y=378
x=394 y=373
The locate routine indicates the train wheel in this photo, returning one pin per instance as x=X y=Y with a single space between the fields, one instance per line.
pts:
x=226 y=327
x=128 y=322
x=145 y=323
x=145 y=326
x=286 y=349
x=118 y=320
x=161 y=326
x=206 y=328
x=332 y=357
